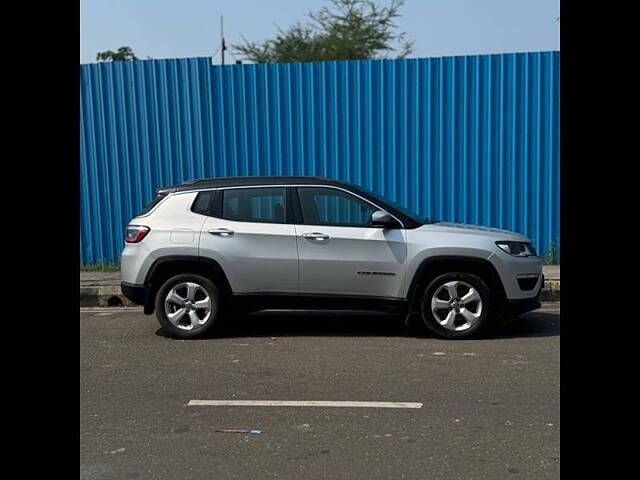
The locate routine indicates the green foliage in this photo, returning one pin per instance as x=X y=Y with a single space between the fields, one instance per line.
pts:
x=351 y=30
x=123 y=54
x=551 y=258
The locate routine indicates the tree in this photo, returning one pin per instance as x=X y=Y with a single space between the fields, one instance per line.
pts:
x=123 y=53
x=351 y=30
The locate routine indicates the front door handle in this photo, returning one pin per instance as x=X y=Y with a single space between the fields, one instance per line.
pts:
x=317 y=236
x=224 y=232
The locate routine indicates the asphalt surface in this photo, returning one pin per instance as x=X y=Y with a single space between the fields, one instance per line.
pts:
x=490 y=406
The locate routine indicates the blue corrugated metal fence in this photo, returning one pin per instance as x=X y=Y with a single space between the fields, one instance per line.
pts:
x=472 y=139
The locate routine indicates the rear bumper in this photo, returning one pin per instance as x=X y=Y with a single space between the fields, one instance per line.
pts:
x=136 y=293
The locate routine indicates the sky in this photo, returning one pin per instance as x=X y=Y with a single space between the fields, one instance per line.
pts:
x=191 y=28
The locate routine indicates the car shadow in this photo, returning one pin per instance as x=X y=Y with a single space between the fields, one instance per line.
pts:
x=532 y=324
x=288 y=323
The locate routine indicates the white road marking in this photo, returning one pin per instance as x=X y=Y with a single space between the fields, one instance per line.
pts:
x=303 y=403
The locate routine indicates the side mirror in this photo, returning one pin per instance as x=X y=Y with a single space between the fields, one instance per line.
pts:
x=383 y=219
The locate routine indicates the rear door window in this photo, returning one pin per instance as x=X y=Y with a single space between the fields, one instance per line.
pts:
x=263 y=205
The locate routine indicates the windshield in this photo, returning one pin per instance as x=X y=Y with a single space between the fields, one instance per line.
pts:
x=412 y=215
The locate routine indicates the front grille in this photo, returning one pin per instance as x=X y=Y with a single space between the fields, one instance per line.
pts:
x=527 y=284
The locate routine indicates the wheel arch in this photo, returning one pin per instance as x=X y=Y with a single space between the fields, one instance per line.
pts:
x=166 y=267
x=431 y=267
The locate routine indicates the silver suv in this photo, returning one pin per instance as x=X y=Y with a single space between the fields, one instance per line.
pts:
x=207 y=247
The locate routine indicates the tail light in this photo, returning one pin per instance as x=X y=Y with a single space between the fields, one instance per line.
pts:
x=135 y=233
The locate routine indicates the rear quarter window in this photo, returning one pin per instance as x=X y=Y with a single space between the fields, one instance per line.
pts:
x=156 y=200
x=202 y=203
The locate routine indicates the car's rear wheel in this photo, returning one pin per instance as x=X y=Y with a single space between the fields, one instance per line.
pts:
x=187 y=305
x=456 y=305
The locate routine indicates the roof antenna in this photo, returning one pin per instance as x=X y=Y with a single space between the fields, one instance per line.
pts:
x=224 y=47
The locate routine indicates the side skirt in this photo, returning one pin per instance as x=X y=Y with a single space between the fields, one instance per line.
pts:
x=259 y=301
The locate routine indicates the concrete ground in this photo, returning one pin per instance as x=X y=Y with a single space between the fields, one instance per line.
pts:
x=490 y=407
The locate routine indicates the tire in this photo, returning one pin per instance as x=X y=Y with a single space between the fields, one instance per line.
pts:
x=446 y=314
x=187 y=292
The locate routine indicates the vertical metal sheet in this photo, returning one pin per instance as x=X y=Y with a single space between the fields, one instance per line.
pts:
x=472 y=139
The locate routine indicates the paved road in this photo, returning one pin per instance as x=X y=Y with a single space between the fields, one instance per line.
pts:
x=490 y=407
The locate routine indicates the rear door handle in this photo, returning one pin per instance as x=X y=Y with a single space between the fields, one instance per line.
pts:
x=317 y=236
x=224 y=232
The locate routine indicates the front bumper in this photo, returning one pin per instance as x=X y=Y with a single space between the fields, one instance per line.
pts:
x=514 y=307
x=513 y=269
x=136 y=293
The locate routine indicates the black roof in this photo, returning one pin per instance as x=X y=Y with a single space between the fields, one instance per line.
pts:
x=240 y=181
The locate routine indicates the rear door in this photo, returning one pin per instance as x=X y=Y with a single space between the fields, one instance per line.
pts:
x=341 y=252
x=252 y=239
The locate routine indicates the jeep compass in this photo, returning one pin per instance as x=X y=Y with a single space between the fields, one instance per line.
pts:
x=205 y=248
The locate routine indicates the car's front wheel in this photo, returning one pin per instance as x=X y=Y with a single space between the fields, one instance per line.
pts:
x=456 y=305
x=187 y=305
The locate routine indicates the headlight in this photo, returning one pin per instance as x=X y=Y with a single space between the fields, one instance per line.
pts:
x=517 y=249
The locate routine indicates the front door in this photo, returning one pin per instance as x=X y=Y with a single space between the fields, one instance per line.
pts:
x=252 y=241
x=341 y=252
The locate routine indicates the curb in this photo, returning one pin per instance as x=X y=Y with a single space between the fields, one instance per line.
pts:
x=111 y=295
x=103 y=296
x=551 y=291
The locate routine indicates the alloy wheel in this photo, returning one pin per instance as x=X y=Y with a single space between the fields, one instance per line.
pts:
x=188 y=306
x=456 y=305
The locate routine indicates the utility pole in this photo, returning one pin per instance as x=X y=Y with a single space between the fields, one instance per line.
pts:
x=224 y=47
